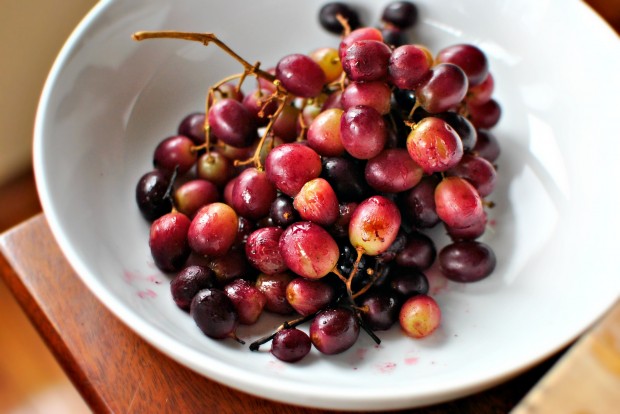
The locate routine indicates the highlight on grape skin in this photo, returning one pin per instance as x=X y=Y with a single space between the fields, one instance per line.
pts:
x=310 y=190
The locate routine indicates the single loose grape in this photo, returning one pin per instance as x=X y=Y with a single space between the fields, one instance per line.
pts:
x=290 y=345
x=420 y=316
x=214 y=313
x=334 y=330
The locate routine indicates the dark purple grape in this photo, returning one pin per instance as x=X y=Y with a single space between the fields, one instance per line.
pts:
x=214 y=313
x=402 y=14
x=467 y=261
x=168 y=241
x=340 y=228
x=334 y=330
x=346 y=178
x=397 y=245
x=150 y=195
x=233 y=265
x=487 y=145
x=408 y=281
x=393 y=36
x=470 y=232
x=329 y=21
x=463 y=127
x=419 y=202
x=404 y=100
x=380 y=310
x=188 y=282
x=290 y=345
x=282 y=211
x=193 y=127
x=419 y=252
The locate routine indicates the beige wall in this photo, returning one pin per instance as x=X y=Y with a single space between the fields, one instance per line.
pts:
x=31 y=34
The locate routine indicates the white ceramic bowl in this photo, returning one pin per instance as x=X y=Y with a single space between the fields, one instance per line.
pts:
x=109 y=100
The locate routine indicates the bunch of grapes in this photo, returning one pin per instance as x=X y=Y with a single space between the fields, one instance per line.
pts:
x=309 y=193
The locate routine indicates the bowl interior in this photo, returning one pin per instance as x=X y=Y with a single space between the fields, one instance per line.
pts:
x=110 y=100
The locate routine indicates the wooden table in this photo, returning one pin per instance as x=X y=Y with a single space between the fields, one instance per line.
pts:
x=117 y=372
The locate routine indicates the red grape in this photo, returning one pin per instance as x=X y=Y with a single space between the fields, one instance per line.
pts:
x=420 y=316
x=366 y=61
x=317 y=202
x=469 y=58
x=393 y=171
x=442 y=89
x=434 y=145
x=363 y=132
x=168 y=241
x=409 y=65
x=300 y=75
x=458 y=203
x=175 y=152
x=308 y=250
x=263 y=252
x=253 y=194
x=213 y=230
x=290 y=166
x=232 y=123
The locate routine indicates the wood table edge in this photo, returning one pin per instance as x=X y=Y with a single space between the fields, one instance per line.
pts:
x=9 y=271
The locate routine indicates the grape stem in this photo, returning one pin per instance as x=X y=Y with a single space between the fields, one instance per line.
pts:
x=170 y=188
x=205 y=39
x=280 y=95
x=286 y=325
x=367 y=329
x=349 y=281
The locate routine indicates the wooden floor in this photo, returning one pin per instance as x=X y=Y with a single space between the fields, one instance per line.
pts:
x=31 y=382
